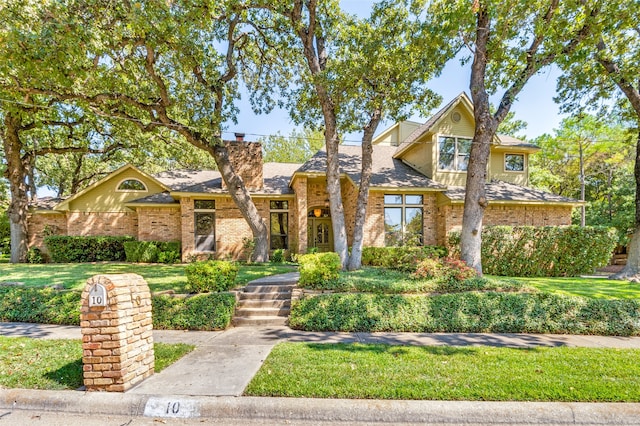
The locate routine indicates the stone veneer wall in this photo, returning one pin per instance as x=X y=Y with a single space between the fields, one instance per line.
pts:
x=159 y=224
x=450 y=217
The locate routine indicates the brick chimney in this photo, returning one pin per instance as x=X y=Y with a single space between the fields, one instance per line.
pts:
x=246 y=159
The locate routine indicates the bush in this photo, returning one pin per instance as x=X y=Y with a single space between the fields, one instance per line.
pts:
x=318 y=270
x=152 y=251
x=489 y=312
x=34 y=255
x=211 y=276
x=67 y=249
x=212 y=311
x=401 y=258
x=39 y=305
x=443 y=269
x=527 y=251
x=277 y=256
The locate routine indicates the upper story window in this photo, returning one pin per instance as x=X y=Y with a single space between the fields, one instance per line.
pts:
x=514 y=162
x=131 y=185
x=453 y=153
x=403 y=220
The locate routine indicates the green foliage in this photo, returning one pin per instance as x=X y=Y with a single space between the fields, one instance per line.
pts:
x=277 y=256
x=468 y=312
x=298 y=147
x=548 y=251
x=212 y=311
x=152 y=251
x=402 y=258
x=34 y=255
x=444 y=269
x=39 y=305
x=5 y=232
x=68 y=249
x=211 y=276
x=320 y=269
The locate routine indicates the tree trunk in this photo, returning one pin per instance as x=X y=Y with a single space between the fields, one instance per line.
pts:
x=16 y=173
x=631 y=270
x=340 y=245
x=242 y=199
x=355 y=259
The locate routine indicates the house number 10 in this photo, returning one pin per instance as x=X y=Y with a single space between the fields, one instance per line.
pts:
x=98 y=295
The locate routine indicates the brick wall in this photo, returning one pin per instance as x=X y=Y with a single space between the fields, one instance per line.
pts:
x=37 y=223
x=374 y=221
x=246 y=159
x=102 y=223
x=188 y=232
x=159 y=224
x=300 y=208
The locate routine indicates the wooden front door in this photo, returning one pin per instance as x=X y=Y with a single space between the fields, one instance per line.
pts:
x=319 y=232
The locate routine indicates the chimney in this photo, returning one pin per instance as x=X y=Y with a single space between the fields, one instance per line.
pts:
x=246 y=159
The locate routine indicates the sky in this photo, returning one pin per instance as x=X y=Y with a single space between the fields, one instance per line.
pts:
x=534 y=105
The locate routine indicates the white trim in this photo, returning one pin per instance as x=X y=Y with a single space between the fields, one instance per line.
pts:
x=524 y=162
x=131 y=190
x=455 y=155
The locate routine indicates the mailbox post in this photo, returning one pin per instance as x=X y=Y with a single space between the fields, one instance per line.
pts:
x=117 y=332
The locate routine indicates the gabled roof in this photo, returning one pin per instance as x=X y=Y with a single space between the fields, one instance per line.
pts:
x=386 y=170
x=500 y=191
x=159 y=198
x=110 y=176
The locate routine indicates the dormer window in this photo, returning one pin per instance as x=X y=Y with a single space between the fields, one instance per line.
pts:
x=453 y=153
x=132 y=185
x=514 y=162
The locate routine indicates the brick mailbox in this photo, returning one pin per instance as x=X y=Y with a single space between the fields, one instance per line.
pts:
x=117 y=332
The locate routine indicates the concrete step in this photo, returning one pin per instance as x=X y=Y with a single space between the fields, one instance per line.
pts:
x=259 y=321
x=283 y=295
x=270 y=288
x=261 y=303
x=262 y=312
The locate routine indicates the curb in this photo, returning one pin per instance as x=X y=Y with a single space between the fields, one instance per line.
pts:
x=320 y=410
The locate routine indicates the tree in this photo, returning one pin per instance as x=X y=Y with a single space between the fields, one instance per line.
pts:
x=509 y=44
x=298 y=147
x=606 y=67
x=354 y=73
x=158 y=65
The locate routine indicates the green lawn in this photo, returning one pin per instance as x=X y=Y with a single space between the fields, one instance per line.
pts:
x=159 y=277
x=597 y=288
x=448 y=373
x=57 y=364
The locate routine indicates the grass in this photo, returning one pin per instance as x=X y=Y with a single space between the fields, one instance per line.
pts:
x=595 y=288
x=448 y=373
x=160 y=277
x=57 y=364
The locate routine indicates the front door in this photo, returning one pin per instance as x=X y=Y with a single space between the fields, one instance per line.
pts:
x=319 y=233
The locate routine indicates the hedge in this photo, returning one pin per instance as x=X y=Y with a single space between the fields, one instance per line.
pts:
x=78 y=249
x=490 y=312
x=47 y=306
x=401 y=258
x=550 y=251
x=319 y=269
x=152 y=251
x=211 y=276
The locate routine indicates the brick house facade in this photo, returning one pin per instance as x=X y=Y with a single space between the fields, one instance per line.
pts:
x=416 y=195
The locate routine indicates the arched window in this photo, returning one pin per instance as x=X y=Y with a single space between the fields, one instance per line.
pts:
x=131 y=185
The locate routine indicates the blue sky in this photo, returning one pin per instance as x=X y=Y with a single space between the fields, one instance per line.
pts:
x=535 y=103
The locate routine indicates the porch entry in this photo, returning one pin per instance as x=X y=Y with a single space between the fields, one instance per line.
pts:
x=319 y=232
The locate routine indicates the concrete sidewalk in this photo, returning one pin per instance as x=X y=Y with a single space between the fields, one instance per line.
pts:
x=207 y=382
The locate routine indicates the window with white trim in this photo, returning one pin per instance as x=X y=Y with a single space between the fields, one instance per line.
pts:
x=453 y=153
x=279 y=222
x=131 y=185
x=205 y=225
x=403 y=221
x=514 y=162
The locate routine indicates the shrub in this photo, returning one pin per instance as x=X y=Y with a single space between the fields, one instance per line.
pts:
x=443 y=269
x=34 y=255
x=212 y=311
x=527 y=251
x=401 y=258
x=39 y=305
x=277 y=256
x=152 y=251
x=318 y=270
x=66 y=249
x=470 y=312
x=211 y=276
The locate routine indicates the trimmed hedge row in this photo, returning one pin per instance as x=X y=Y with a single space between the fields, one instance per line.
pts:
x=152 y=251
x=47 y=306
x=489 y=312
x=550 y=251
x=401 y=258
x=77 y=249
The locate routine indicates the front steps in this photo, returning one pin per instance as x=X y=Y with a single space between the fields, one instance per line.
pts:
x=266 y=301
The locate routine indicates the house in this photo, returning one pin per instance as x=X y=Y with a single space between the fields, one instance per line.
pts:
x=416 y=194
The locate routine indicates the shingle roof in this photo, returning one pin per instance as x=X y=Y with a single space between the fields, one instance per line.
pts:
x=386 y=170
x=46 y=203
x=504 y=191
x=511 y=141
x=276 y=178
x=159 y=198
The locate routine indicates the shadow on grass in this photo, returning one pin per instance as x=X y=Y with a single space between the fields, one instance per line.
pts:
x=69 y=376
